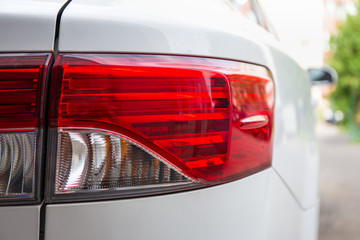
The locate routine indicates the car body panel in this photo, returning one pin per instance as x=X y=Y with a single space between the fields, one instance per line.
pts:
x=278 y=203
x=295 y=155
x=245 y=209
x=19 y=222
x=286 y=221
x=188 y=28
x=219 y=212
x=160 y=27
x=25 y=26
x=28 y=25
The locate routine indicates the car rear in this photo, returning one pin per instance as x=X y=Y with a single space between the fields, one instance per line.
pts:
x=139 y=123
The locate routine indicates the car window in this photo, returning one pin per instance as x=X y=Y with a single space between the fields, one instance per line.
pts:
x=247 y=9
x=252 y=10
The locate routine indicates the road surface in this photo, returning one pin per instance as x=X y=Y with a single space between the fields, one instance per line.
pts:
x=339 y=185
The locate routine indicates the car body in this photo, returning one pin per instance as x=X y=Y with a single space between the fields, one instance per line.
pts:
x=279 y=202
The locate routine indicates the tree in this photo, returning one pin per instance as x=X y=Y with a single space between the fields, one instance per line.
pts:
x=345 y=58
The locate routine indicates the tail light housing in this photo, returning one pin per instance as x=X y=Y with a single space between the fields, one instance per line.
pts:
x=22 y=85
x=129 y=125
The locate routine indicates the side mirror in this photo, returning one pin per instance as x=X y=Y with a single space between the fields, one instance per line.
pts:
x=323 y=76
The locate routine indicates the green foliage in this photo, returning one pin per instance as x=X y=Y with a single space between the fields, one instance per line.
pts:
x=345 y=58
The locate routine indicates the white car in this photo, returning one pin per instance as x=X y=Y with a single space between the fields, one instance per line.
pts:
x=161 y=119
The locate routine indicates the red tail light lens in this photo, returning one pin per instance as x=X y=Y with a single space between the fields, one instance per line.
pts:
x=210 y=120
x=22 y=79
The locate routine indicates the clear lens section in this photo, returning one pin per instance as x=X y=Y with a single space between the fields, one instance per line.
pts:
x=17 y=166
x=93 y=160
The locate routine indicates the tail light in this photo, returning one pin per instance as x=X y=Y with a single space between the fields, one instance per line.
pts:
x=125 y=125
x=22 y=79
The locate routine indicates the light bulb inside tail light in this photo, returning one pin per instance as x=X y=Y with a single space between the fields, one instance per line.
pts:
x=209 y=121
x=22 y=79
x=17 y=164
x=90 y=161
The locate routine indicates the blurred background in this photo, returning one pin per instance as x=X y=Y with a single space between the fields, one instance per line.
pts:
x=318 y=32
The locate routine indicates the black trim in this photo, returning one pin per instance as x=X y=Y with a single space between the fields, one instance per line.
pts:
x=45 y=129
x=42 y=222
x=57 y=27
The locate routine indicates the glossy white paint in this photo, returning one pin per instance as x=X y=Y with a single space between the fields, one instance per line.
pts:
x=278 y=203
x=244 y=209
x=188 y=28
x=161 y=26
x=295 y=148
x=25 y=26
x=229 y=211
x=28 y=25
x=286 y=221
x=19 y=222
